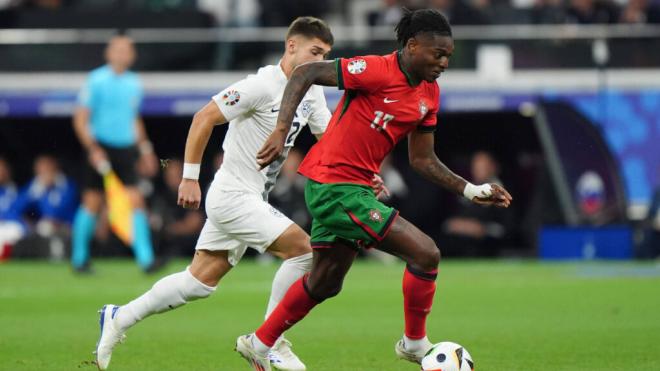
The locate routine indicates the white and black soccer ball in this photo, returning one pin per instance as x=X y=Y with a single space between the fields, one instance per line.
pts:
x=447 y=356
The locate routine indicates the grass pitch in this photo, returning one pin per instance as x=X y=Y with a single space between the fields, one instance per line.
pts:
x=509 y=315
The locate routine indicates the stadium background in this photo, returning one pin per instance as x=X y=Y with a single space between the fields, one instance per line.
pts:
x=565 y=95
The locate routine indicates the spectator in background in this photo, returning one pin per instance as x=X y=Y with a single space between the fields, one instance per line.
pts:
x=109 y=127
x=640 y=11
x=47 y=204
x=11 y=229
x=477 y=230
x=592 y=12
x=177 y=228
x=51 y=197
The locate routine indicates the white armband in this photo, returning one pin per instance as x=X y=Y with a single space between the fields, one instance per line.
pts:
x=191 y=171
x=482 y=191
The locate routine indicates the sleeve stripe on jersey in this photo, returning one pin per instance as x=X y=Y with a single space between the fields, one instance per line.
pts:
x=426 y=129
x=340 y=74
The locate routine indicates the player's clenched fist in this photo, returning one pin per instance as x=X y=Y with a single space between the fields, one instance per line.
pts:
x=497 y=196
x=190 y=195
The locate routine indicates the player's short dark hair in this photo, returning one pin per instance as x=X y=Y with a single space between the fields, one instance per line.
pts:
x=311 y=27
x=420 y=21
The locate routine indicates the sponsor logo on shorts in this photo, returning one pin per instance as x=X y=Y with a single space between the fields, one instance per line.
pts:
x=357 y=66
x=231 y=97
x=375 y=216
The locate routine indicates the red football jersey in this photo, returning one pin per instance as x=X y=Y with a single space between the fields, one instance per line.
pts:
x=378 y=109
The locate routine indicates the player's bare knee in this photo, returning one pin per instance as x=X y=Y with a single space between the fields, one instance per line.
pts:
x=299 y=248
x=209 y=267
x=321 y=291
x=428 y=258
x=324 y=285
x=332 y=291
x=294 y=242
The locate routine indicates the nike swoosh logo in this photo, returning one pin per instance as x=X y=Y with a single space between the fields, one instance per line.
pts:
x=389 y=100
x=274 y=110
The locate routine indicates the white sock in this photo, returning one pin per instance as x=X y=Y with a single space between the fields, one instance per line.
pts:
x=290 y=271
x=259 y=346
x=417 y=344
x=170 y=292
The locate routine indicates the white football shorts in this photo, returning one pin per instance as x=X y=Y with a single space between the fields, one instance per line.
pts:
x=238 y=220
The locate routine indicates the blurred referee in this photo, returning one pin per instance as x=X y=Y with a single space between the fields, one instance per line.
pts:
x=109 y=127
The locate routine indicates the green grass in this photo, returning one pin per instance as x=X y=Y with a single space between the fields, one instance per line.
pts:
x=509 y=315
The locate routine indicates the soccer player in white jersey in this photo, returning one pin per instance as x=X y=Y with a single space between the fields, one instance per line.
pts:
x=236 y=204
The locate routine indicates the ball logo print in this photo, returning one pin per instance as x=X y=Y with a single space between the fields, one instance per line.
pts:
x=231 y=97
x=447 y=356
x=357 y=66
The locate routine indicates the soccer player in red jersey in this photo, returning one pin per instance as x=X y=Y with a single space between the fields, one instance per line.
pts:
x=386 y=98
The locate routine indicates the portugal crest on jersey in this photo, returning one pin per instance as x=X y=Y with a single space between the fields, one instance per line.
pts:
x=357 y=66
x=231 y=98
x=423 y=109
x=375 y=216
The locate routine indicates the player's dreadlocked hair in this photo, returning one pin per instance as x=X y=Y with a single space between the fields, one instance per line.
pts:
x=419 y=21
x=311 y=27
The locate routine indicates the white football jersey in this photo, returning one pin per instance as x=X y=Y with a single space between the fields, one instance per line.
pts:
x=251 y=106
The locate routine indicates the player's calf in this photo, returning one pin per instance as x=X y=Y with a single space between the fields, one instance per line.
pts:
x=168 y=293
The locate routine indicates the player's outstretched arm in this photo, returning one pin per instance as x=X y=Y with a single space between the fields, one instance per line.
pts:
x=303 y=76
x=190 y=195
x=423 y=160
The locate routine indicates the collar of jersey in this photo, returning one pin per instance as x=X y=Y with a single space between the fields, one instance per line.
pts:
x=405 y=73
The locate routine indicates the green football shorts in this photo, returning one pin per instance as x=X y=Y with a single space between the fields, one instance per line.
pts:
x=349 y=213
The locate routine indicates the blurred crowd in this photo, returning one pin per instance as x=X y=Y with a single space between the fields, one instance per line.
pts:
x=485 y=12
x=238 y=53
x=237 y=13
x=36 y=218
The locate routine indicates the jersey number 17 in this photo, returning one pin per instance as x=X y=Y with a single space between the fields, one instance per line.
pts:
x=381 y=120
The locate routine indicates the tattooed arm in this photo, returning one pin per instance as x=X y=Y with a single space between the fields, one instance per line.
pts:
x=303 y=76
x=422 y=157
x=424 y=161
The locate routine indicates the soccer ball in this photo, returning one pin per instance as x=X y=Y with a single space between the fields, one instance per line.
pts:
x=447 y=356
